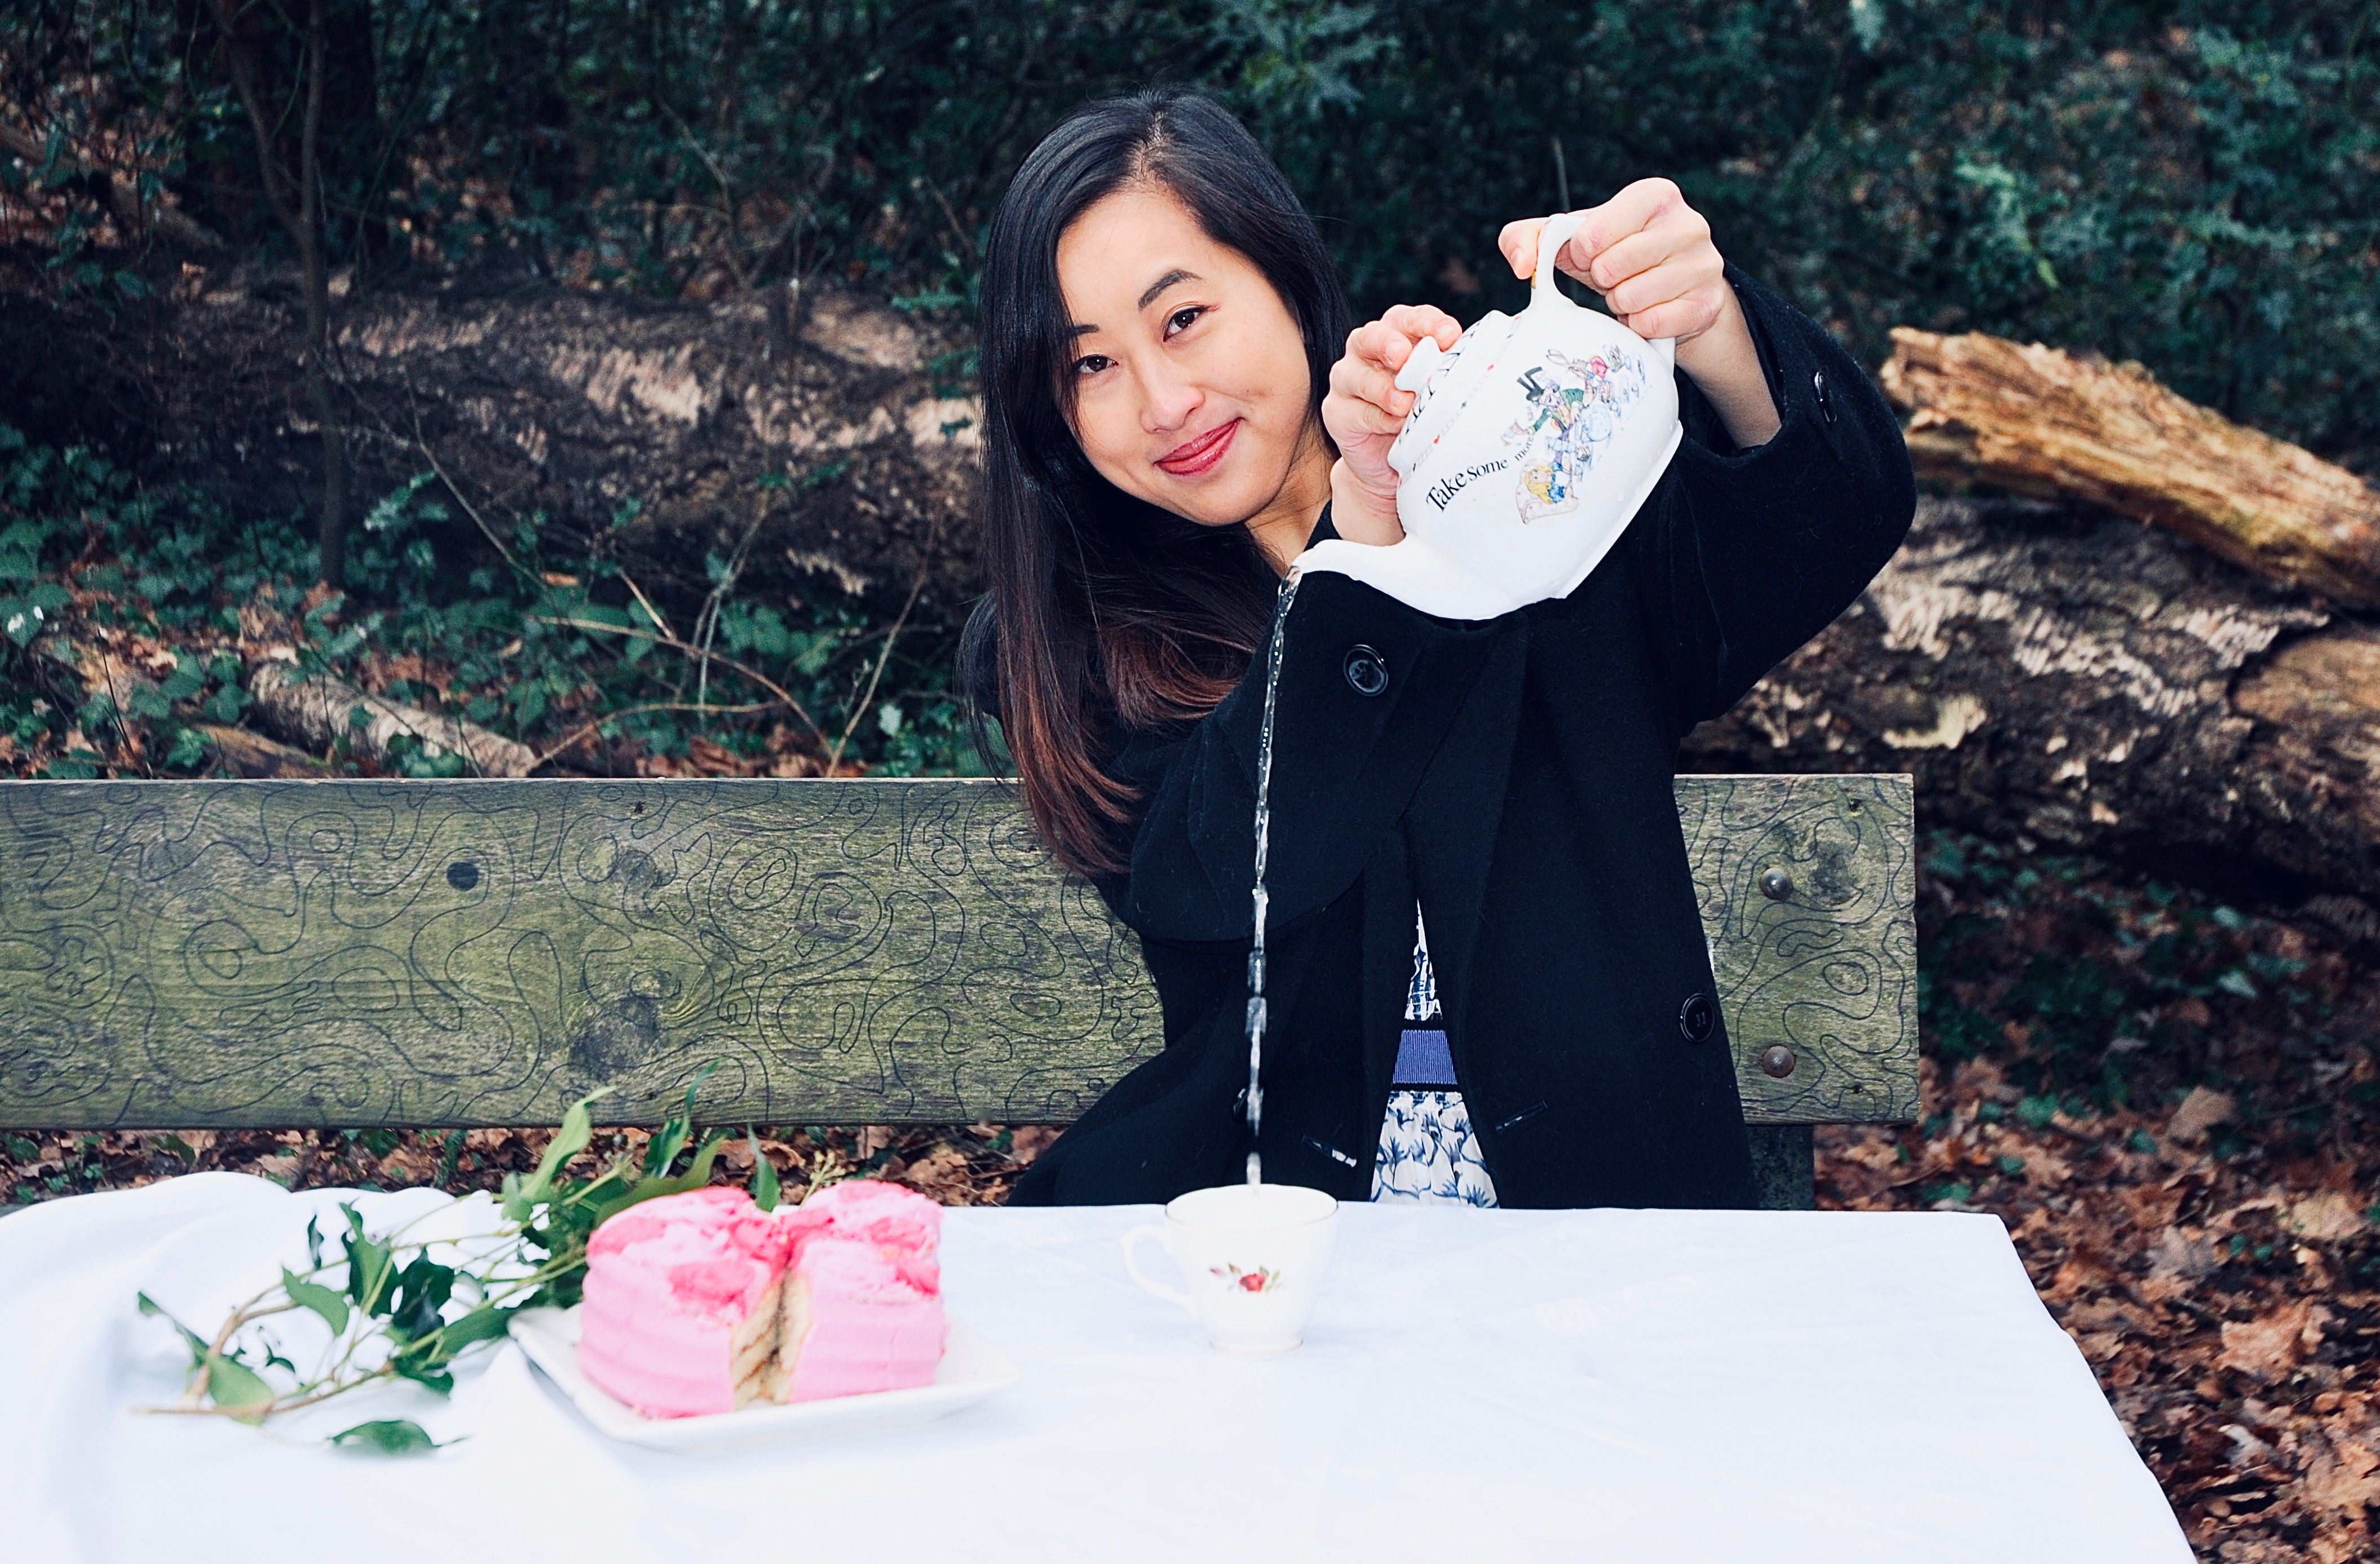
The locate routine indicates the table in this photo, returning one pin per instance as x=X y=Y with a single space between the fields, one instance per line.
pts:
x=1603 y=1384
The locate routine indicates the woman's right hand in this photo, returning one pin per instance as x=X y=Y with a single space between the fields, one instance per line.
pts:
x=1364 y=411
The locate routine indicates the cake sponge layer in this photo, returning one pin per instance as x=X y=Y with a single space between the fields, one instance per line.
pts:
x=683 y=1301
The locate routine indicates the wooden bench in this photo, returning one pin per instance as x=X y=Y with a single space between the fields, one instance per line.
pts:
x=215 y=955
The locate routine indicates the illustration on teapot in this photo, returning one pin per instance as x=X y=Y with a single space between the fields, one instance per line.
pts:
x=1530 y=446
x=1582 y=419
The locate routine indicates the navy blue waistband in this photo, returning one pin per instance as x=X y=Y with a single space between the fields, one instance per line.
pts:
x=1424 y=1059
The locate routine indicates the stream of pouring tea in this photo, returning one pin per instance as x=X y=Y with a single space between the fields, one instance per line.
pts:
x=1258 y=896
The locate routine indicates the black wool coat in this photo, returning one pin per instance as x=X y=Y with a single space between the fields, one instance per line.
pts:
x=1514 y=777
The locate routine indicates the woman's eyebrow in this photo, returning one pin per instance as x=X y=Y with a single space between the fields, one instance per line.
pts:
x=1177 y=276
x=1167 y=281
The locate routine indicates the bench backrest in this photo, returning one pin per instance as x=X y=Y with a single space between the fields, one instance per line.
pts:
x=349 y=953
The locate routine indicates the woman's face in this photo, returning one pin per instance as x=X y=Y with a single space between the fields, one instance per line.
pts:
x=1191 y=385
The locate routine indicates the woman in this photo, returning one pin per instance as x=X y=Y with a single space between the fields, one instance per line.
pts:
x=1487 y=977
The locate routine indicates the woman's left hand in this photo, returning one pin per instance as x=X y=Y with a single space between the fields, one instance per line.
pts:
x=1650 y=255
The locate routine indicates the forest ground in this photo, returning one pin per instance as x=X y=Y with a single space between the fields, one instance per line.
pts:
x=2173 y=1104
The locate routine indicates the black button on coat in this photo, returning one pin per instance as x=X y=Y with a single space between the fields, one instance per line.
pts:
x=1514 y=776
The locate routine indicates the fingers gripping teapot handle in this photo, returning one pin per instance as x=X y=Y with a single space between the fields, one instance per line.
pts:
x=1550 y=239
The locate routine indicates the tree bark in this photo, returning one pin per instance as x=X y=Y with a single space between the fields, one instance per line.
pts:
x=332 y=528
x=316 y=713
x=2083 y=681
x=245 y=754
x=304 y=222
x=639 y=428
x=2039 y=421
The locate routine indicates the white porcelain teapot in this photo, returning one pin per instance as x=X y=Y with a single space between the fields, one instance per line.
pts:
x=1529 y=448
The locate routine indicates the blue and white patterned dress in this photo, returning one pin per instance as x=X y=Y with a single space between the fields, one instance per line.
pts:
x=1427 y=1151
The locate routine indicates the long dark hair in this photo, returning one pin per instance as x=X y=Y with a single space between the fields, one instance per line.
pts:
x=1107 y=612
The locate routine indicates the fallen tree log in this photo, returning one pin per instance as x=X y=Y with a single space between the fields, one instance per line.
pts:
x=244 y=754
x=2056 y=425
x=660 y=432
x=2077 y=680
x=316 y=713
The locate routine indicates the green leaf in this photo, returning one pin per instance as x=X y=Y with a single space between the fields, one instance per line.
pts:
x=21 y=621
x=577 y=1129
x=369 y=1265
x=486 y=1324
x=419 y=1301
x=393 y=1435
x=662 y=1150
x=236 y=1388
x=186 y=680
x=389 y=511
x=697 y=1172
x=664 y=1147
x=767 y=1193
x=426 y=1372
x=315 y=1296
x=197 y=1343
x=189 y=748
x=650 y=1187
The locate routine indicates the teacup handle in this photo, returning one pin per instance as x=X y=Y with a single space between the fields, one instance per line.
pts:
x=1131 y=1264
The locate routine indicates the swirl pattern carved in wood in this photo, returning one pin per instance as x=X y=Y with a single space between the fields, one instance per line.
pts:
x=483 y=952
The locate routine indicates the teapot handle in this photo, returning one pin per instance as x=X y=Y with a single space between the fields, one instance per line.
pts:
x=1551 y=239
x=1556 y=234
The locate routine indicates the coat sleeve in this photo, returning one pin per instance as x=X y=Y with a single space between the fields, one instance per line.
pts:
x=1345 y=764
x=1750 y=553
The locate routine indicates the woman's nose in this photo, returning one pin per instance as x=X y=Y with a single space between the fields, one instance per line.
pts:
x=1168 y=401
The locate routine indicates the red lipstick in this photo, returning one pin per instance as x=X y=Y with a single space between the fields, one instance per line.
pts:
x=1196 y=456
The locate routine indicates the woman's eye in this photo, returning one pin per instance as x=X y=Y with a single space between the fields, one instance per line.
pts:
x=1181 y=318
x=1091 y=364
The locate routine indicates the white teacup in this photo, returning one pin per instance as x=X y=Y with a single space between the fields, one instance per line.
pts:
x=1254 y=1256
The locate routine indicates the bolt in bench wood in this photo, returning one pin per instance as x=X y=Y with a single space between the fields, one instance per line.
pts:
x=214 y=954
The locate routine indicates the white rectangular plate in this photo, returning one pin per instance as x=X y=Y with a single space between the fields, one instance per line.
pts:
x=971 y=1369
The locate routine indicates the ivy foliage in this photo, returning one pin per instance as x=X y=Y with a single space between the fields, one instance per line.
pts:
x=551 y=648
x=402 y=1304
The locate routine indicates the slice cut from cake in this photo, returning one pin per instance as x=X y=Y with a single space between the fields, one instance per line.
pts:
x=684 y=1303
x=863 y=1298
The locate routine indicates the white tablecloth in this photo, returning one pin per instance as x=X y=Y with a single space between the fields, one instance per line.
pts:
x=1524 y=1385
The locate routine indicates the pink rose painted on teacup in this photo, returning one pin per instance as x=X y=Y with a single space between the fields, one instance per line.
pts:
x=1256 y=1279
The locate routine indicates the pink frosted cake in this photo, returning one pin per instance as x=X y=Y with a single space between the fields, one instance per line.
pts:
x=862 y=1301
x=683 y=1303
x=702 y=1302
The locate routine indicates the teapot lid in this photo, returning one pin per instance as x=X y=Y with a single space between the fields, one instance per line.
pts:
x=1445 y=380
x=1445 y=385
